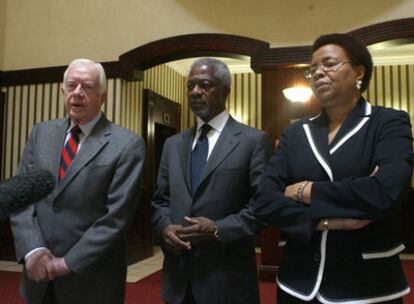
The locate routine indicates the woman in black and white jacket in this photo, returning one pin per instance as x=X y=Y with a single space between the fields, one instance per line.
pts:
x=332 y=186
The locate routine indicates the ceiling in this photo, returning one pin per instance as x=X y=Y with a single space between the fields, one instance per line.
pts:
x=385 y=53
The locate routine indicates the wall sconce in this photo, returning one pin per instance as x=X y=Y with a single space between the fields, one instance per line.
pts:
x=297 y=94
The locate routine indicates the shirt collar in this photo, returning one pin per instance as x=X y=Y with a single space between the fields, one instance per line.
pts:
x=217 y=123
x=88 y=127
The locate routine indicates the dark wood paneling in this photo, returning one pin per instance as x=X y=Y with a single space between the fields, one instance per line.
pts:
x=277 y=111
x=2 y=126
x=396 y=29
x=51 y=74
x=158 y=111
x=281 y=57
x=193 y=45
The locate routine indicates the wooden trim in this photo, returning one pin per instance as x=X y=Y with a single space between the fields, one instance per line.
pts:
x=2 y=127
x=192 y=45
x=51 y=74
x=390 y=30
x=281 y=58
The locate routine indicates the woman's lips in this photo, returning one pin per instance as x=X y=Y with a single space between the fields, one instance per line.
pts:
x=320 y=85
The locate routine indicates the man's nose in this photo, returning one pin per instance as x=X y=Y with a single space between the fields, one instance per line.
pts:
x=78 y=90
x=195 y=90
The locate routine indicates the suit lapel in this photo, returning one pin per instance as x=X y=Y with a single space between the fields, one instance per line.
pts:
x=316 y=130
x=358 y=117
x=226 y=142
x=90 y=148
x=184 y=152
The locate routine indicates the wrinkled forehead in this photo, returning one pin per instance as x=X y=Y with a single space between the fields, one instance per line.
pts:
x=203 y=72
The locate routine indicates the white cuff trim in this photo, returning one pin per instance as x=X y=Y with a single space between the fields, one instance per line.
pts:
x=383 y=254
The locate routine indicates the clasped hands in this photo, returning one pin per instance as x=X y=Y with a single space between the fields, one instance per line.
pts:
x=178 y=239
x=43 y=266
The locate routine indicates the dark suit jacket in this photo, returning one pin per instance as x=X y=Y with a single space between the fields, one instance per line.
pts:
x=85 y=218
x=224 y=271
x=341 y=265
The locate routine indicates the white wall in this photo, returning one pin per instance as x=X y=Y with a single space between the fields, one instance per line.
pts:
x=53 y=32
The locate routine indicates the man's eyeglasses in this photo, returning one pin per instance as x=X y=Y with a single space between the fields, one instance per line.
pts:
x=325 y=66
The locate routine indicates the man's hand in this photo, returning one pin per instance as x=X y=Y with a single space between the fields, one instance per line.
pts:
x=172 y=242
x=43 y=266
x=38 y=267
x=59 y=267
x=201 y=229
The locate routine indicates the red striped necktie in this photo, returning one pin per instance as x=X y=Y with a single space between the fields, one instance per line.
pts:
x=69 y=151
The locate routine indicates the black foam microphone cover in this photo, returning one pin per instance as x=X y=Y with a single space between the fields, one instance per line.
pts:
x=24 y=189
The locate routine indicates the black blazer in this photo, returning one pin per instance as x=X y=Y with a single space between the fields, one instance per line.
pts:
x=339 y=266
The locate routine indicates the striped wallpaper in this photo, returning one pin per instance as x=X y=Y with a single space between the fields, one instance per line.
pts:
x=393 y=86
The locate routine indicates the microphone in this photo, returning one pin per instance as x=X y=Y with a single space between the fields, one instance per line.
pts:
x=24 y=189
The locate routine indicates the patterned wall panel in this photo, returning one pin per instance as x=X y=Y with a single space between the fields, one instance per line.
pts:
x=393 y=86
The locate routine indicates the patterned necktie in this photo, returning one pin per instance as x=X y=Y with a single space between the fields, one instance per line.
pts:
x=199 y=157
x=69 y=151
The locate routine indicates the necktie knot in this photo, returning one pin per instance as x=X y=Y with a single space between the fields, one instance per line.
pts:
x=75 y=131
x=204 y=131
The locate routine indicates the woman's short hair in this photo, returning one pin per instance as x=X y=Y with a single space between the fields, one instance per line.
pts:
x=357 y=52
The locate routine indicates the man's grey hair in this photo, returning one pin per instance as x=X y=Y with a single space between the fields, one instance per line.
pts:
x=221 y=71
x=98 y=66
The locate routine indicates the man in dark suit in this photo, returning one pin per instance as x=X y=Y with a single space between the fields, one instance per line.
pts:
x=72 y=243
x=202 y=216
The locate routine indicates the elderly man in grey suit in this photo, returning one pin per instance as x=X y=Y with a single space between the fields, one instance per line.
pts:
x=72 y=243
x=202 y=214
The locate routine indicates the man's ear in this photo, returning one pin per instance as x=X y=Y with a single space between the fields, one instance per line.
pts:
x=226 y=92
x=104 y=97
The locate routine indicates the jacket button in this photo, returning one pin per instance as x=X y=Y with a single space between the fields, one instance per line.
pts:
x=316 y=257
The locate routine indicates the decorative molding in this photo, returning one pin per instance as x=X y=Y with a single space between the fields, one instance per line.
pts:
x=51 y=74
x=192 y=45
x=281 y=58
x=396 y=29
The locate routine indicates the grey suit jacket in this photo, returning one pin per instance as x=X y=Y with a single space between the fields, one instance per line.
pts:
x=224 y=271
x=85 y=218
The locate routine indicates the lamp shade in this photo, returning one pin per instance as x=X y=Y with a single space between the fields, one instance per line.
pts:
x=297 y=94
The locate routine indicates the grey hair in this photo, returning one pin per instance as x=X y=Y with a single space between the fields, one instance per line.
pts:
x=221 y=71
x=97 y=65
